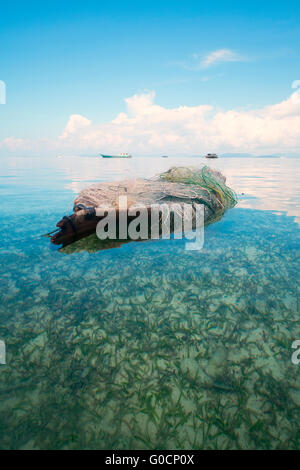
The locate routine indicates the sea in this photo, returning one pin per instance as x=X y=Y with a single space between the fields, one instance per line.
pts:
x=149 y=345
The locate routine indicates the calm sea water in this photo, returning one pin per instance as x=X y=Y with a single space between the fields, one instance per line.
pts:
x=149 y=345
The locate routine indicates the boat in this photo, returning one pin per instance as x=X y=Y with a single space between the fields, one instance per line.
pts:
x=120 y=155
x=211 y=155
x=164 y=156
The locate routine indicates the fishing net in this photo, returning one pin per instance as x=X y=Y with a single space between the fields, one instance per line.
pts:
x=210 y=180
x=174 y=188
x=178 y=184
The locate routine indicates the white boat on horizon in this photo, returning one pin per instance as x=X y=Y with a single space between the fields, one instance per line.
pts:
x=120 y=155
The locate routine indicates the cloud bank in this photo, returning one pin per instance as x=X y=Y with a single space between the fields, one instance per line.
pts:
x=146 y=128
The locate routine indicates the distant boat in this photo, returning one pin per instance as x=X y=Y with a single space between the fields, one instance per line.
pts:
x=211 y=155
x=120 y=155
x=164 y=156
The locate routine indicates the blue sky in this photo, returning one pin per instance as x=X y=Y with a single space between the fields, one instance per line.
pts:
x=64 y=58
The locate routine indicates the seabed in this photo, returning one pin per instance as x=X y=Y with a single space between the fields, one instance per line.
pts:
x=150 y=346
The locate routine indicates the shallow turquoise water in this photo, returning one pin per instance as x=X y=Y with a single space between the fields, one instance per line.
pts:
x=149 y=345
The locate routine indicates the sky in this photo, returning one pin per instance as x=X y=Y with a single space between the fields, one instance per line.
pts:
x=149 y=77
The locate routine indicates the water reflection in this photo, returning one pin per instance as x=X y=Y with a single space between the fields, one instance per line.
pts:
x=273 y=182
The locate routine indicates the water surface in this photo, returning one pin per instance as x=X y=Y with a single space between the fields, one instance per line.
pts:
x=149 y=345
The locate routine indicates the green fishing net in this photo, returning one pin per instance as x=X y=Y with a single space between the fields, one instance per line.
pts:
x=211 y=180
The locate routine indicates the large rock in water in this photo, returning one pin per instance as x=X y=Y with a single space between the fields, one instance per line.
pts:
x=179 y=185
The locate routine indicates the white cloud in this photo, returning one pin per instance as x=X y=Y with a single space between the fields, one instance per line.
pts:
x=220 y=55
x=148 y=128
x=13 y=143
x=195 y=62
x=75 y=124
